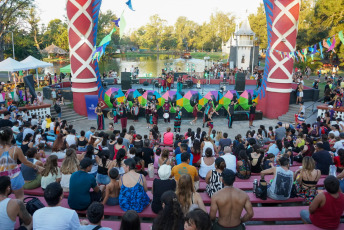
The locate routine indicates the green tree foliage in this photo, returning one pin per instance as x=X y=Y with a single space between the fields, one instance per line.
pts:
x=105 y=25
x=258 y=25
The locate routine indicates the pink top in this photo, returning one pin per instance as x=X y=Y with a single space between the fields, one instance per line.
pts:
x=168 y=138
x=156 y=161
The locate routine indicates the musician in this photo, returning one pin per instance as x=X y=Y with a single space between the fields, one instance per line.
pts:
x=123 y=115
x=177 y=120
x=155 y=117
x=100 y=117
x=135 y=112
x=169 y=81
x=115 y=112
x=180 y=83
x=163 y=83
x=148 y=113
x=154 y=102
x=166 y=108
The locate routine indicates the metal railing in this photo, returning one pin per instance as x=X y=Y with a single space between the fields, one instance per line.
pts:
x=313 y=108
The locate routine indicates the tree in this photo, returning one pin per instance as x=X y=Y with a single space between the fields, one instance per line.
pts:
x=33 y=21
x=259 y=26
x=185 y=33
x=154 y=31
x=11 y=13
x=105 y=25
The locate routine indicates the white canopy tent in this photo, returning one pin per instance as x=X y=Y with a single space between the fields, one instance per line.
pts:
x=34 y=63
x=11 y=65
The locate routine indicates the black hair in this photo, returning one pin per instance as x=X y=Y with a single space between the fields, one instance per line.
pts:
x=89 y=151
x=5 y=181
x=130 y=220
x=220 y=163
x=112 y=137
x=120 y=140
x=198 y=133
x=104 y=155
x=30 y=153
x=82 y=133
x=146 y=143
x=6 y=135
x=284 y=161
x=184 y=146
x=53 y=193
x=120 y=156
x=185 y=157
x=225 y=135
x=131 y=163
x=171 y=216
x=200 y=218
x=158 y=151
x=331 y=184
x=279 y=145
x=208 y=152
x=113 y=173
x=228 y=177
x=95 y=212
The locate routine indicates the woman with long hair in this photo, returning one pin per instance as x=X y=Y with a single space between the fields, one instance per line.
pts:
x=196 y=152
x=243 y=166
x=130 y=220
x=218 y=137
x=207 y=163
x=100 y=117
x=57 y=128
x=256 y=158
x=82 y=141
x=213 y=178
x=59 y=146
x=171 y=216
x=90 y=154
x=197 y=219
x=118 y=163
x=119 y=145
x=27 y=143
x=104 y=164
x=69 y=165
x=164 y=158
x=51 y=172
x=194 y=114
x=188 y=198
x=306 y=179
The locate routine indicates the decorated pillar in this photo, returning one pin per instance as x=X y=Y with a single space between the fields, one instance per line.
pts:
x=282 y=21
x=82 y=37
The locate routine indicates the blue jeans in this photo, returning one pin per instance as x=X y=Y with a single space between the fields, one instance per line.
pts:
x=102 y=179
x=81 y=149
x=341 y=184
x=17 y=182
x=305 y=216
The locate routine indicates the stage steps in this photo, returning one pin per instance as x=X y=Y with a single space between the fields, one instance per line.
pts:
x=68 y=113
x=289 y=117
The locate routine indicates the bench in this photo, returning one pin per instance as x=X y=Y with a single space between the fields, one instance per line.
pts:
x=286 y=227
x=117 y=224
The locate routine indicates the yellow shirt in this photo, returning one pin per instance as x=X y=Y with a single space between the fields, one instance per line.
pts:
x=184 y=168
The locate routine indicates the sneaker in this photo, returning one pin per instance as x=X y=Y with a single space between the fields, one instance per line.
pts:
x=191 y=123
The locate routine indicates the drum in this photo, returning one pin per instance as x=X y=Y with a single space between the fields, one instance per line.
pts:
x=189 y=83
x=166 y=115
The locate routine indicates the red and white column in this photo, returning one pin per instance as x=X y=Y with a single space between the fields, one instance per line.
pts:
x=284 y=31
x=79 y=14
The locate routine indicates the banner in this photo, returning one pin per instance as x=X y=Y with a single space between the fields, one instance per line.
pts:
x=91 y=104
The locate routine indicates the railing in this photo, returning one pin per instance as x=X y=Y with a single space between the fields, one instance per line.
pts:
x=314 y=109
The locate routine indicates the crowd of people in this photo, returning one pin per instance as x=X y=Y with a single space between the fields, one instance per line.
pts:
x=110 y=167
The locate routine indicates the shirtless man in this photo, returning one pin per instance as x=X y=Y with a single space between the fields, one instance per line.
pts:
x=230 y=202
x=15 y=208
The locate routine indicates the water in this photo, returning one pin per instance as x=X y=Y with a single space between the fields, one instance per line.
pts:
x=149 y=65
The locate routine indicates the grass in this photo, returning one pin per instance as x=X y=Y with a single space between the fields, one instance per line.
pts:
x=214 y=56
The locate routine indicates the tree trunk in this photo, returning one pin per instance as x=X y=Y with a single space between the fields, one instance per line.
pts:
x=35 y=39
x=1 y=48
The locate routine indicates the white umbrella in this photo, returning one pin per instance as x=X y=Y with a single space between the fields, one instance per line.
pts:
x=11 y=65
x=34 y=63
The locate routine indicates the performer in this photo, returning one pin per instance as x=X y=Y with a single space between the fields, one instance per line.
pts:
x=194 y=113
x=210 y=121
x=135 y=112
x=115 y=112
x=198 y=83
x=155 y=117
x=177 y=120
x=100 y=117
x=166 y=115
x=206 y=111
x=154 y=102
x=123 y=115
x=163 y=83
x=169 y=82
x=230 y=115
x=148 y=114
x=179 y=83
x=252 y=114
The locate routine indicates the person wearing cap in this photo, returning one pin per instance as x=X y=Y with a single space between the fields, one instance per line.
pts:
x=80 y=184
x=322 y=158
x=280 y=132
x=162 y=185
x=5 y=122
x=230 y=198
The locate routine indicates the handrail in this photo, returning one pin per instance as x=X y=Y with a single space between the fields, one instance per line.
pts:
x=312 y=105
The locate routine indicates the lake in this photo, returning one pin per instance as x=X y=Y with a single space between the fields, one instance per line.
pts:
x=149 y=65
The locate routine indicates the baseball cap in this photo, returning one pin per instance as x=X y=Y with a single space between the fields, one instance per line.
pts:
x=279 y=123
x=164 y=172
x=84 y=163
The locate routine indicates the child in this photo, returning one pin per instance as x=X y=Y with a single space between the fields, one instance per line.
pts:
x=41 y=154
x=269 y=161
x=156 y=158
x=112 y=189
x=51 y=172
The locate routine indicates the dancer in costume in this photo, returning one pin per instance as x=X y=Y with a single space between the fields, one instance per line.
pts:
x=230 y=115
x=100 y=117
x=163 y=83
x=115 y=112
x=169 y=81
x=123 y=115
x=180 y=84
x=210 y=119
x=194 y=114
x=206 y=111
x=177 y=120
x=166 y=108
x=135 y=112
x=155 y=117
x=148 y=114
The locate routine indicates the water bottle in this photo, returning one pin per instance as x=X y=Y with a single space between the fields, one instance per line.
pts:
x=255 y=185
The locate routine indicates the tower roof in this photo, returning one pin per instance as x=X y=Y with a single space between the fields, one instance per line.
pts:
x=245 y=29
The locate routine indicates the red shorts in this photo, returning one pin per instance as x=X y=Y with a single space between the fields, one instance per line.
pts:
x=251 y=117
x=210 y=124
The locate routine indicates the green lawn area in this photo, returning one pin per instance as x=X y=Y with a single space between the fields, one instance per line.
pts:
x=215 y=56
x=321 y=87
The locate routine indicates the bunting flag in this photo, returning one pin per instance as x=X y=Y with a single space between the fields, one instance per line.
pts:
x=122 y=25
x=321 y=50
x=325 y=44
x=100 y=50
x=129 y=5
x=332 y=45
x=341 y=37
x=116 y=22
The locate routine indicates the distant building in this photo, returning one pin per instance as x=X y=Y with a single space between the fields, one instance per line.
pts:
x=240 y=47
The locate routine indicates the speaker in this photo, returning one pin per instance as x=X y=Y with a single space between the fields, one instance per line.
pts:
x=240 y=82
x=30 y=83
x=135 y=81
x=145 y=83
x=125 y=80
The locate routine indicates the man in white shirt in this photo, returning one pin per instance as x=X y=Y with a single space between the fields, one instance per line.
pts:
x=335 y=130
x=339 y=144
x=28 y=129
x=54 y=216
x=229 y=158
x=71 y=139
x=34 y=120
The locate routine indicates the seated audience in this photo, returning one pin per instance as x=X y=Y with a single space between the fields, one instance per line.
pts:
x=104 y=164
x=54 y=216
x=207 y=163
x=27 y=143
x=161 y=185
x=130 y=220
x=269 y=161
x=69 y=165
x=11 y=209
x=168 y=137
x=188 y=198
x=171 y=216
x=230 y=198
x=80 y=184
x=82 y=141
x=31 y=176
x=185 y=168
x=112 y=189
x=147 y=154
x=133 y=185
x=327 y=207
x=51 y=172
x=256 y=159
x=164 y=158
x=243 y=166
x=213 y=178
x=282 y=183
x=118 y=163
x=322 y=158
x=95 y=214
x=184 y=148
x=59 y=147
x=229 y=158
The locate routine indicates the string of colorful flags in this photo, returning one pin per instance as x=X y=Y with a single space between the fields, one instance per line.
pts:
x=318 y=48
x=119 y=23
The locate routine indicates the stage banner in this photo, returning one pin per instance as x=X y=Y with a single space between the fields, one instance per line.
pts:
x=91 y=104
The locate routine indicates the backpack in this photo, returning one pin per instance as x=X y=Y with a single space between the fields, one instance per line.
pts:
x=33 y=205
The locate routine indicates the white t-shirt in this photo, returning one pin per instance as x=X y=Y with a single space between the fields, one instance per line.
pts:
x=65 y=180
x=52 y=126
x=46 y=180
x=230 y=161
x=34 y=122
x=55 y=218
x=338 y=145
x=335 y=133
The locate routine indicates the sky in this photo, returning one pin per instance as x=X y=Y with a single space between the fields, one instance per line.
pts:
x=196 y=10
